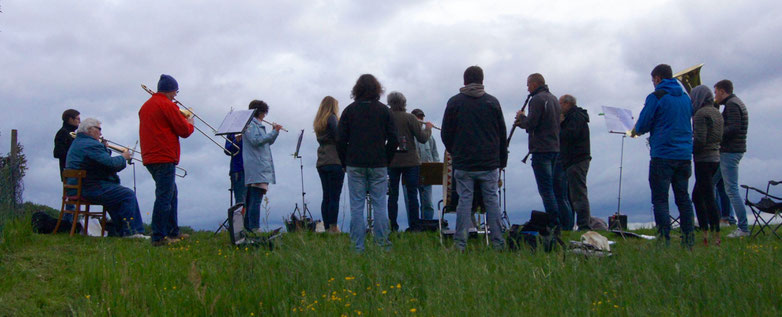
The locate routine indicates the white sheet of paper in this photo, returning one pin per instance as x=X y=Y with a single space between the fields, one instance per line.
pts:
x=235 y=121
x=618 y=120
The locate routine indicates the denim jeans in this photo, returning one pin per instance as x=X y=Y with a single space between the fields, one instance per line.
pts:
x=664 y=174
x=164 y=212
x=729 y=173
x=723 y=202
x=252 y=212
x=372 y=181
x=237 y=186
x=331 y=179
x=465 y=185
x=563 y=197
x=410 y=175
x=120 y=203
x=425 y=197
x=543 y=167
x=577 y=192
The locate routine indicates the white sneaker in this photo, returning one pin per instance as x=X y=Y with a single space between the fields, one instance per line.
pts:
x=137 y=236
x=738 y=233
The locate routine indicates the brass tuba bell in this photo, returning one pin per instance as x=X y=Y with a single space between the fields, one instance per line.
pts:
x=690 y=77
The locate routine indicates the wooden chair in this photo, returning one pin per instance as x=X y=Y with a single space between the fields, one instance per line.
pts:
x=78 y=202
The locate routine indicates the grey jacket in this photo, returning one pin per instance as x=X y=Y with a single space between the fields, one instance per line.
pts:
x=408 y=128
x=327 y=144
x=428 y=151
x=257 y=153
x=542 y=124
x=706 y=134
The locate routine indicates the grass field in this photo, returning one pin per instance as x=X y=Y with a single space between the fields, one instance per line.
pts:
x=318 y=274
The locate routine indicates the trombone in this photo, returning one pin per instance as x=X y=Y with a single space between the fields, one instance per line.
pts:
x=188 y=113
x=119 y=148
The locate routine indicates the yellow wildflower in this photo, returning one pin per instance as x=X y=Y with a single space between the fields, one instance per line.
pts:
x=412 y=310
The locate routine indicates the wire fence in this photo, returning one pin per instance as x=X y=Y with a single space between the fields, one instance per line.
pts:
x=13 y=166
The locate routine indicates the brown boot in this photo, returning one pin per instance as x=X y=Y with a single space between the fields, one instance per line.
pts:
x=334 y=229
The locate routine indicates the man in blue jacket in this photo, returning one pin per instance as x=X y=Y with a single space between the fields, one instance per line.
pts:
x=667 y=116
x=101 y=185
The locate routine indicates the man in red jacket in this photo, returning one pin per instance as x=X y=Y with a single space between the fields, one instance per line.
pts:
x=160 y=127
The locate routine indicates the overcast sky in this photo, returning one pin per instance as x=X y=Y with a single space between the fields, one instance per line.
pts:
x=94 y=55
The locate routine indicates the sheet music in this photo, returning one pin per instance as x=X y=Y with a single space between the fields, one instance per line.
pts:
x=618 y=120
x=235 y=122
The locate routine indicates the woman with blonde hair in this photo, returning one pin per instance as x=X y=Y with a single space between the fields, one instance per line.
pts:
x=329 y=165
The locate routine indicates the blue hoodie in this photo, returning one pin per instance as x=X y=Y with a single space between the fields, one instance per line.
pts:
x=667 y=115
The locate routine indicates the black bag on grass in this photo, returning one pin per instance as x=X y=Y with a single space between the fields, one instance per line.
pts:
x=44 y=224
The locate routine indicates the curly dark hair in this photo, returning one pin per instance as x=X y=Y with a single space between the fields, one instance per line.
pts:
x=367 y=88
x=259 y=107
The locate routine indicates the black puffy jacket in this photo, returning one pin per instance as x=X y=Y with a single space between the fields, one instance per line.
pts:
x=736 y=122
x=574 y=137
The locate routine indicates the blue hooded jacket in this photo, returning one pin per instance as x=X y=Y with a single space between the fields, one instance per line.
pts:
x=667 y=116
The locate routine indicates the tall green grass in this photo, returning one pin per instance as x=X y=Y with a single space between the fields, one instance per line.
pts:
x=319 y=274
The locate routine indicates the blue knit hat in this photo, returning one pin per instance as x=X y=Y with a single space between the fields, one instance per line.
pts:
x=167 y=84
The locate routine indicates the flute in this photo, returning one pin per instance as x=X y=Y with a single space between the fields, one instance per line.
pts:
x=424 y=122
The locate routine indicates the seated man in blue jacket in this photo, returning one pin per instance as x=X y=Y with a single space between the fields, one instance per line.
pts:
x=101 y=185
x=667 y=116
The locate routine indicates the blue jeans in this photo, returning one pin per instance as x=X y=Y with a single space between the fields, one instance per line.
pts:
x=425 y=196
x=465 y=184
x=372 y=181
x=563 y=199
x=237 y=186
x=331 y=179
x=543 y=167
x=665 y=173
x=164 y=213
x=410 y=175
x=723 y=201
x=729 y=173
x=120 y=203
x=252 y=211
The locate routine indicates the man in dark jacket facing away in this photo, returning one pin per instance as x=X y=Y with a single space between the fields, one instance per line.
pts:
x=667 y=115
x=63 y=138
x=366 y=141
x=734 y=144
x=542 y=125
x=574 y=155
x=474 y=133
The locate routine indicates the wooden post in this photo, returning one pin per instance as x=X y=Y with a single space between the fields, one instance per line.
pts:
x=13 y=169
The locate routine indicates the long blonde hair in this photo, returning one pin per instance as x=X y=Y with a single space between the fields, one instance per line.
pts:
x=328 y=106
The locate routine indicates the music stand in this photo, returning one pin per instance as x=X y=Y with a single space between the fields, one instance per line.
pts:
x=619 y=121
x=304 y=211
x=234 y=123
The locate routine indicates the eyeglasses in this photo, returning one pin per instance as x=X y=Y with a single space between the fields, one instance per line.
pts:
x=99 y=129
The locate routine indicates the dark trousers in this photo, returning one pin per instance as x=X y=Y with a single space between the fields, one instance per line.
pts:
x=703 y=196
x=164 y=213
x=252 y=211
x=121 y=204
x=664 y=174
x=331 y=180
x=577 y=190
x=543 y=167
x=563 y=197
x=410 y=175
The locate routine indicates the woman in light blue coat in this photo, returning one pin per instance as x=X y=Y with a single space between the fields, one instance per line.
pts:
x=258 y=162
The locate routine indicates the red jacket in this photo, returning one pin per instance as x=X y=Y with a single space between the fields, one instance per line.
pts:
x=160 y=126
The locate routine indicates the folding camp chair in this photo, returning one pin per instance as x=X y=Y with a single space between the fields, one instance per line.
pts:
x=450 y=200
x=768 y=204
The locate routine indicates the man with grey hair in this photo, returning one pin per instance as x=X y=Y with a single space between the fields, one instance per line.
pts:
x=406 y=163
x=574 y=156
x=102 y=185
